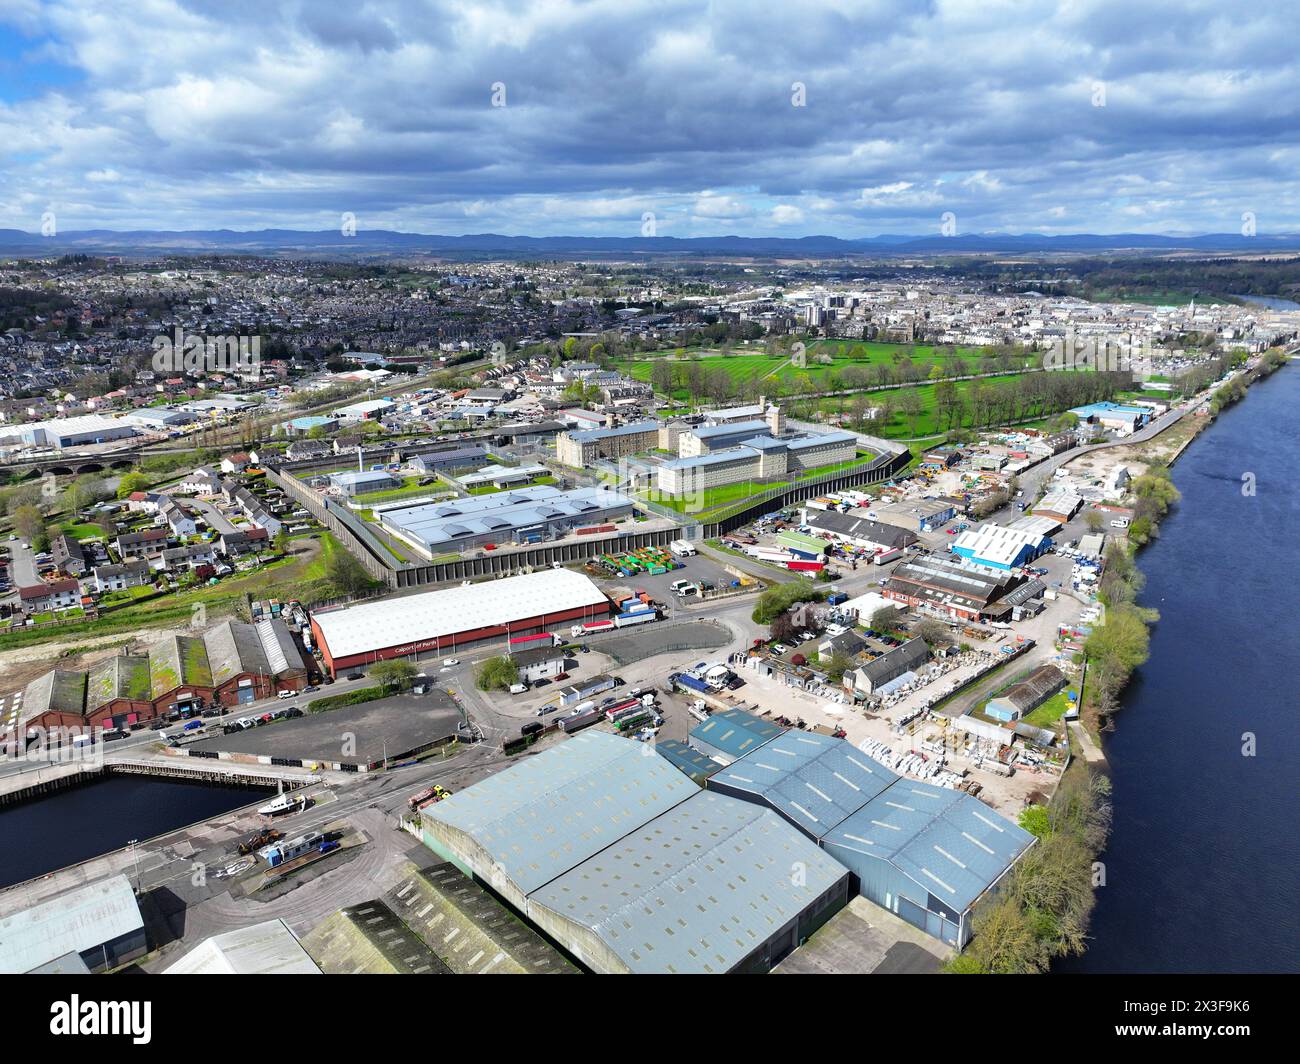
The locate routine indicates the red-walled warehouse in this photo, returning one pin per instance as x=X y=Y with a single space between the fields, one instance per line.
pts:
x=440 y=622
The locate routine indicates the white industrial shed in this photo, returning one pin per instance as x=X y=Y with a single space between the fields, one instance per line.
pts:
x=455 y=617
x=268 y=948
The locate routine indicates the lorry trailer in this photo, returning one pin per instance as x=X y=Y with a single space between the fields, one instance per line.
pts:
x=576 y=721
x=626 y=620
x=691 y=683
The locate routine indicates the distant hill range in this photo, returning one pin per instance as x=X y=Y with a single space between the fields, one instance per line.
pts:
x=379 y=242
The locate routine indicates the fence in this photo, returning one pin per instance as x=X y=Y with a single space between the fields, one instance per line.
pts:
x=361 y=542
x=878 y=469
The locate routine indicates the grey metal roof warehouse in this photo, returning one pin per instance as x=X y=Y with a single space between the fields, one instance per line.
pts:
x=815 y=781
x=268 y=948
x=99 y=921
x=630 y=867
x=545 y=815
x=696 y=890
x=496 y=517
x=859 y=529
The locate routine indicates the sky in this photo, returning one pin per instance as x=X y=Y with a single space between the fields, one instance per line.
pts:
x=668 y=118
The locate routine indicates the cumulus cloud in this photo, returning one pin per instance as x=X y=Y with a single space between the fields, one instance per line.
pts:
x=1038 y=116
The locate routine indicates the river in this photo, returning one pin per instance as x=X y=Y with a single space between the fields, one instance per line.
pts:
x=75 y=825
x=1203 y=866
x=1272 y=302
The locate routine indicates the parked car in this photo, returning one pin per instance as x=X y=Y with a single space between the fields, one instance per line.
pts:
x=356 y=676
x=309 y=689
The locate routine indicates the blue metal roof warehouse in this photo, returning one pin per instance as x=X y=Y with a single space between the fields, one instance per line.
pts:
x=814 y=781
x=927 y=854
x=923 y=852
x=732 y=733
x=698 y=766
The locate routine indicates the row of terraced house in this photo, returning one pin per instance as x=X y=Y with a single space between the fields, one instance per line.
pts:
x=230 y=664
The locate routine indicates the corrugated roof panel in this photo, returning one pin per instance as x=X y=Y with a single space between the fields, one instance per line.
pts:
x=815 y=780
x=438 y=614
x=545 y=815
x=948 y=843
x=697 y=889
x=69 y=923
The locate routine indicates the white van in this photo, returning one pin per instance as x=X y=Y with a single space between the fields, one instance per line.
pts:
x=284 y=694
x=1120 y=522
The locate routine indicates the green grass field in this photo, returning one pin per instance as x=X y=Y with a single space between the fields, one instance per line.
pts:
x=1051 y=711
x=747 y=366
x=410 y=488
x=925 y=424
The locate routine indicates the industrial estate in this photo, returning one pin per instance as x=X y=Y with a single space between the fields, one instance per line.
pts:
x=581 y=660
x=646 y=490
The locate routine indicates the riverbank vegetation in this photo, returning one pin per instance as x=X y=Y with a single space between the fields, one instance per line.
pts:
x=1043 y=908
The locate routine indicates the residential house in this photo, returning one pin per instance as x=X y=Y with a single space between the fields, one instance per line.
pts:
x=146 y=544
x=244 y=541
x=203 y=481
x=189 y=557
x=120 y=577
x=178 y=519
x=52 y=595
x=68 y=555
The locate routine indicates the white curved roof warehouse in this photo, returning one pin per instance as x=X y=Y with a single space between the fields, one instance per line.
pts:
x=442 y=620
